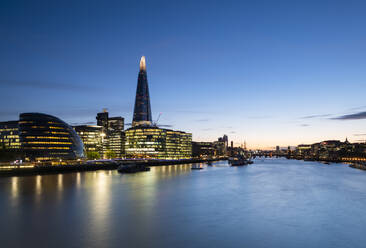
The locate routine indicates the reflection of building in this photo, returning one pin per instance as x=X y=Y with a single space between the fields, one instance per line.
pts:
x=45 y=137
x=92 y=137
x=143 y=140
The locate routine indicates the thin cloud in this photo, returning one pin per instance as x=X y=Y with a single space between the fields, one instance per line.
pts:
x=315 y=116
x=202 y=120
x=304 y=125
x=360 y=134
x=226 y=127
x=260 y=117
x=357 y=108
x=355 y=116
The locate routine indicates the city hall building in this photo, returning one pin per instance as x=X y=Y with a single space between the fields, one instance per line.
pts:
x=45 y=137
x=145 y=140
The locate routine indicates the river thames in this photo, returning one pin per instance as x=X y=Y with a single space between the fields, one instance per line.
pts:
x=272 y=203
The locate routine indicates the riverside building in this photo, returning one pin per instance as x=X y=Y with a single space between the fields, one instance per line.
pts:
x=113 y=135
x=45 y=137
x=146 y=140
x=92 y=137
x=9 y=141
x=9 y=135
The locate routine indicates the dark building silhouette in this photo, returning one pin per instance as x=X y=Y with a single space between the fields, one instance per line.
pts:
x=142 y=109
x=45 y=137
x=102 y=119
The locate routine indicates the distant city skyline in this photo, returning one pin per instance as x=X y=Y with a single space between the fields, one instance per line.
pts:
x=274 y=73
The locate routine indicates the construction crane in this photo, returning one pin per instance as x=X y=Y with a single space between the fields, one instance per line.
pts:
x=157 y=119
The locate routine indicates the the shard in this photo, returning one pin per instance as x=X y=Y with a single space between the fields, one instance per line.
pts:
x=142 y=110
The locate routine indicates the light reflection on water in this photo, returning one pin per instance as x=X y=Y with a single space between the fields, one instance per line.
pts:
x=273 y=203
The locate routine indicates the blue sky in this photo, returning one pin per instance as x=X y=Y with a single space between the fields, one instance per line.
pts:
x=268 y=72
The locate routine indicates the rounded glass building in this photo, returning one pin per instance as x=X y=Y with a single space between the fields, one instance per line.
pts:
x=45 y=137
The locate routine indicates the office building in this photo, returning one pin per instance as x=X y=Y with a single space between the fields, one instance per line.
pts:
x=45 y=137
x=93 y=139
x=9 y=141
x=9 y=135
x=113 y=135
x=157 y=143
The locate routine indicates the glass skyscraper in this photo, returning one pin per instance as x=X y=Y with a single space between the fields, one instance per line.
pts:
x=145 y=140
x=142 y=110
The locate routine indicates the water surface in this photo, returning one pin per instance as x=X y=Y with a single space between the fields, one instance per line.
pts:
x=272 y=203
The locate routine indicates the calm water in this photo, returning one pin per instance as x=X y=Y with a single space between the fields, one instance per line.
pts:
x=272 y=203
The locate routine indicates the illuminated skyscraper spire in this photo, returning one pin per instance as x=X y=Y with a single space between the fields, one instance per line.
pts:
x=142 y=110
x=142 y=63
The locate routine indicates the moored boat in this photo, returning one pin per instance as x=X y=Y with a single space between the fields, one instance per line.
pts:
x=196 y=167
x=239 y=161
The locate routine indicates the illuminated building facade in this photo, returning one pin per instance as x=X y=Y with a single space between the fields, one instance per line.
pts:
x=9 y=141
x=116 y=123
x=203 y=149
x=116 y=143
x=92 y=137
x=116 y=136
x=9 y=135
x=45 y=137
x=157 y=143
x=144 y=140
x=113 y=135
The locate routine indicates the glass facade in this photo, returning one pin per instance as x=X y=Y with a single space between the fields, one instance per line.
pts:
x=9 y=135
x=157 y=143
x=113 y=135
x=115 y=143
x=92 y=137
x=142 y=109
x=45 y=137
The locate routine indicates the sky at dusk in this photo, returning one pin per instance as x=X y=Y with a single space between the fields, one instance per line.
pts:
x=267 y=72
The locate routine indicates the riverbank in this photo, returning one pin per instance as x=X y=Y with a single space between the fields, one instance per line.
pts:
x=16 y=170
x=359 y=166
x=356 y=165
